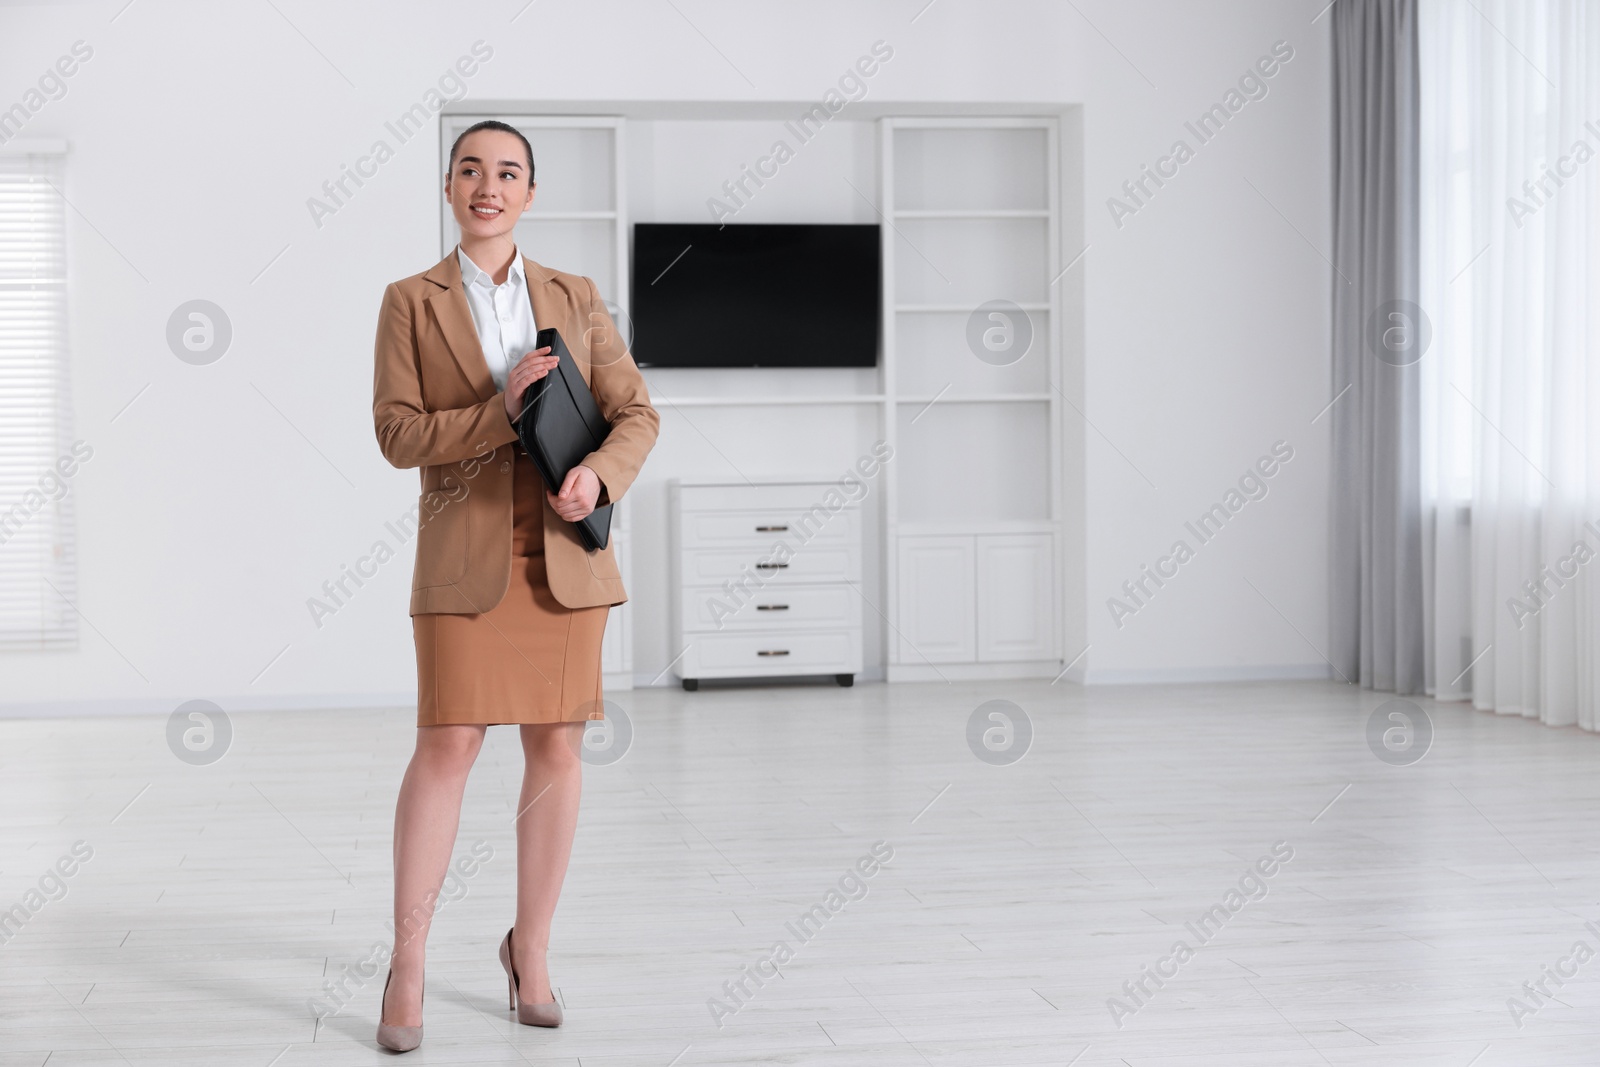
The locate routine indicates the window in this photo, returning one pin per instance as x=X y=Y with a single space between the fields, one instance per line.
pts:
x=38 y=568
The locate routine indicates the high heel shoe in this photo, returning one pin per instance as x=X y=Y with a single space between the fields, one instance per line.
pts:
x=397 y=1038
x=546 y=1014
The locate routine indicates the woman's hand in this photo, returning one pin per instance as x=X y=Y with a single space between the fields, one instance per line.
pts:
x=579 y=490
x=529 y=369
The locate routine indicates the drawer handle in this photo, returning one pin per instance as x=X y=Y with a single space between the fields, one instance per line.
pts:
x=773 y=652
x=772 y=529
x=770 y=566
x=772 y=607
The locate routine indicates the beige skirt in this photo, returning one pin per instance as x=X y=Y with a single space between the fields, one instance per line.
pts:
x=529 y=659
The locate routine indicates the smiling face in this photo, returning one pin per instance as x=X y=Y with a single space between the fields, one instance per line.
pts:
x=488 y=187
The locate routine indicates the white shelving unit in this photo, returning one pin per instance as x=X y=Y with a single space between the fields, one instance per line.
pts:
x=578 y=223
x=966 y=539
x=974 y=507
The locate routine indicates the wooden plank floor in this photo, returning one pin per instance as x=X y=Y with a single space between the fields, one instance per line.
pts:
x=219 y=899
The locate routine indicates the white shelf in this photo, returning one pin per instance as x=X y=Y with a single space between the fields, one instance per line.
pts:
x=973 y=122
x=956 y=528
x=974 y=213
x=847 y=399
x=980 y=398
x=564 y=216
x=760 y=401
x=964 y=309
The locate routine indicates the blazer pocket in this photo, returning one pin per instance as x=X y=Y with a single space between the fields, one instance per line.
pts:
x=603 y=564
x=445 y=479
x=443 y=539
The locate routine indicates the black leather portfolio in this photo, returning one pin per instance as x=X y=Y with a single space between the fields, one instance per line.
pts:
x=559 y=425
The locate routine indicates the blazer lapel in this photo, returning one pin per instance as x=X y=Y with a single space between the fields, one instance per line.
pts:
x=549 y=311
x=450 y=308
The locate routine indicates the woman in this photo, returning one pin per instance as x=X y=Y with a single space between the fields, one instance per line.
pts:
x=507 y=606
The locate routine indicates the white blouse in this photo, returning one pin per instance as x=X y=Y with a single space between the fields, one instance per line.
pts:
x=502 y=313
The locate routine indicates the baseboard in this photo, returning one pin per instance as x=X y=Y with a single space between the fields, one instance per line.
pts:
x=64 y=709
x=973 y=672
x=944 y=672
x=1269 y=672
x=669 y=680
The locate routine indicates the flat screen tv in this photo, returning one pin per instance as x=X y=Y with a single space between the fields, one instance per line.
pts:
x=755 y=295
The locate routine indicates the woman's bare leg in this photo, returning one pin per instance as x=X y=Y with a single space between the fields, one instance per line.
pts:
x=547 y=818
x=426 y=817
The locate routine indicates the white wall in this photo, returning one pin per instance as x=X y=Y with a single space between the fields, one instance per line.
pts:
x=223 y=497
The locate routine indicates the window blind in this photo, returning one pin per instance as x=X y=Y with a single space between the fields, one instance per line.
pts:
x=38 y=564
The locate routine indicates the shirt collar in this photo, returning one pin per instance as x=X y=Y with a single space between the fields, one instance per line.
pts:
x=472 y=274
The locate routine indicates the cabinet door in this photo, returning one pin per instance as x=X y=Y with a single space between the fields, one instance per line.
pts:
x=937 y=621
x=1016 y=597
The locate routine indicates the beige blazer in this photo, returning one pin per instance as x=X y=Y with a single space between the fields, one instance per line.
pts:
x=435 y=406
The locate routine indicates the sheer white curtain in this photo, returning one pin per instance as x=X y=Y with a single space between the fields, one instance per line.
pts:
x=1510 y=425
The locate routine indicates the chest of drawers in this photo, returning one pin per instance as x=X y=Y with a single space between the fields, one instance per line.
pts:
x=765 y=580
